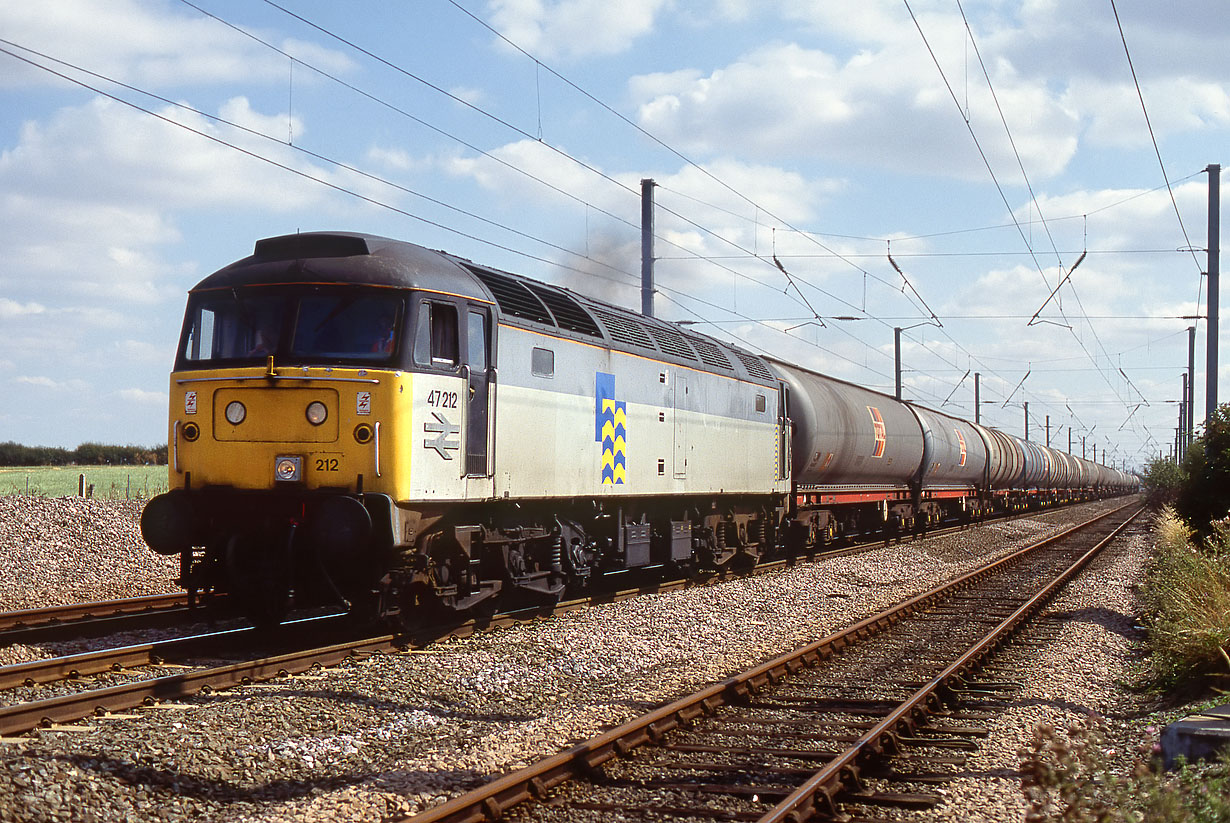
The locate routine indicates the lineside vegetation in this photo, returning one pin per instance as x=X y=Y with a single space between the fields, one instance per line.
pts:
x=1067 y=774
x=87 y=454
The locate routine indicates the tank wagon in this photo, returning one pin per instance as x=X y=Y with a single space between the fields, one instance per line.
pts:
x=361 y=420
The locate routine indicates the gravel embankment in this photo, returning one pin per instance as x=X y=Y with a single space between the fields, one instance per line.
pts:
x=401 y=732
x=74 y=549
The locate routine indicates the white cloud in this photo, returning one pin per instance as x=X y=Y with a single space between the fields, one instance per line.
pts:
x=10 y=309
x=574 y=28
x=91 y=195
x=143 y=397
x=44 y=382
x=784 y=102
x=143 y=351
x=396 y=159
x=150 y=44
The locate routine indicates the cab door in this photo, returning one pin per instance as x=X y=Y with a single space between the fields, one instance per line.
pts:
x=478 y=373
x=438 y=447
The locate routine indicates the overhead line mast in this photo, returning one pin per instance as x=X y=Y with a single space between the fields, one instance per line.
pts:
x=1214 y=254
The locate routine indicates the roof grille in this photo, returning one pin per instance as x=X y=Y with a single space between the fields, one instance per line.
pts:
x=671 y=342
x=709 y=353
x=754 y=365
x=624 y=329
x=514 y=298
x=568 y=312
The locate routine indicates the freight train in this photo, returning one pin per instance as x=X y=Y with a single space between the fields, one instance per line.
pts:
x=365 y=421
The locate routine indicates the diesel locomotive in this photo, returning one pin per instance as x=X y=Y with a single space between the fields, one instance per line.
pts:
x=364 y=421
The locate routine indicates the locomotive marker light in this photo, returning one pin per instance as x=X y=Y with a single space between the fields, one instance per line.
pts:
x=235 y=412
x=316 y=413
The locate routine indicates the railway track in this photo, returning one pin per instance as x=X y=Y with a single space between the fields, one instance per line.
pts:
x=867 y=718
x=137 y=664
x=77 y=621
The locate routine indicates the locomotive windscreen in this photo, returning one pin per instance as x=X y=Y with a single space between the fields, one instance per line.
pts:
x=296 y=325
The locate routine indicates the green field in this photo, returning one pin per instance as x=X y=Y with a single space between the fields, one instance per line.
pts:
x=109 y=482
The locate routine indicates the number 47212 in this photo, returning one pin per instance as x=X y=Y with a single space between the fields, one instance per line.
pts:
x=442 y=399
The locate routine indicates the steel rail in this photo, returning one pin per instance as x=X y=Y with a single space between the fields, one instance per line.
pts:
x=800 y=804
x=488 y=802
x=83 y=664
x=66 y=708
x=26 y=618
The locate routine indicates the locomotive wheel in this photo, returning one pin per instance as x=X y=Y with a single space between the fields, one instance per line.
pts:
x=257 y=575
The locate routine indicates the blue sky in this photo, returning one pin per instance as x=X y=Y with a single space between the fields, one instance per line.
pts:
x=820 y=132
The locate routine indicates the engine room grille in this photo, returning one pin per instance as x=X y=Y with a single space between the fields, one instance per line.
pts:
x=512 y=297
x=671 y=342
x=625 y=330
x=710 y=354
x=568 y=312
x=754 y=365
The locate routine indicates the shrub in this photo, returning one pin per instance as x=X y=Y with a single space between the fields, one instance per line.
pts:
x=1186 y=599
x=1163 y=480
x=1070 y=776
x=1204 y=495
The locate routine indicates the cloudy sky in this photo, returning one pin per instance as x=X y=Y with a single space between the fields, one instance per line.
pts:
x=987 y=146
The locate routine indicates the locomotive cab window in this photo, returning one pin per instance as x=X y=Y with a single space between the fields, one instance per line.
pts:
x=356 y=326
x=232 y=327
x=436 y=342
x=295 y=325
x=476 y=341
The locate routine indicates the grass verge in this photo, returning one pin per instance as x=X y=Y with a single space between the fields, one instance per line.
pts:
x=103 y=482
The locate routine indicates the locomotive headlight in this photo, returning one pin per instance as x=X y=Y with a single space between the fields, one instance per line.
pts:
x=235 y=412
x=316 y=412
x=288 y=468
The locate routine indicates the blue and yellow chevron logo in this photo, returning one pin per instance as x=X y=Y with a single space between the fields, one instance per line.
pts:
x=611 y=430
x=614 y=442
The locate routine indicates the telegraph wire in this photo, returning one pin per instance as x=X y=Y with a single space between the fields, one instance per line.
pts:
x=1158 y=152
x=522 y=132
x=342 y=189
x=1020 y=163
x=298 y=172
x=414 y=118
x=314 y=155
x=517 y=129
x=600 y=173
x=1152 y=137
x=1003 y=196
x=672 y=150
x=978 y=145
